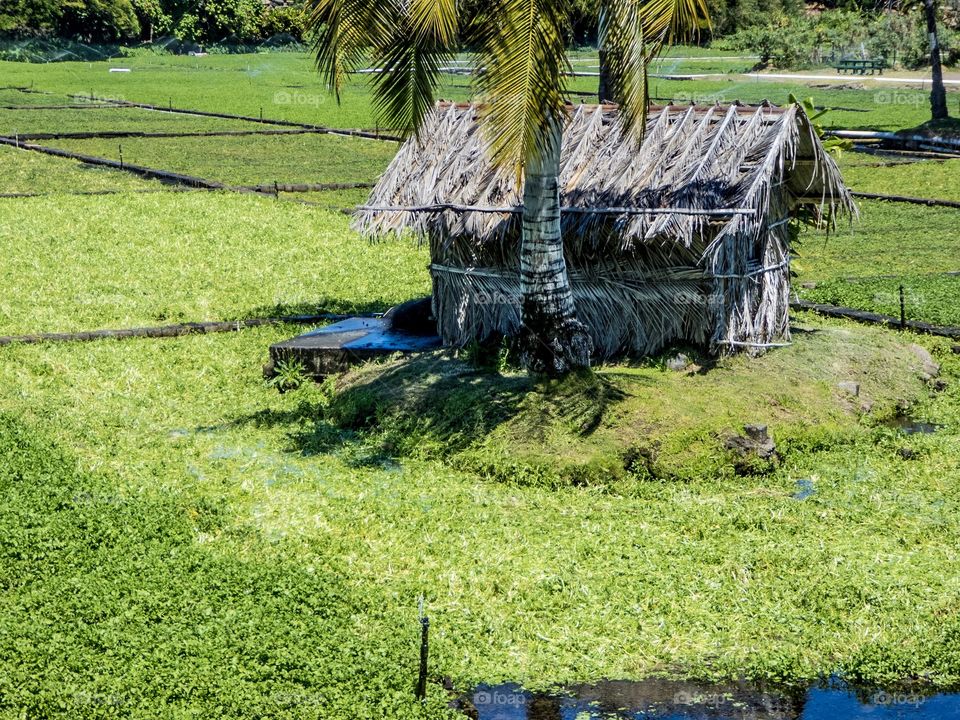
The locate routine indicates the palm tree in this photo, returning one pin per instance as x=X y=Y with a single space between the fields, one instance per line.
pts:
x=522 y=68
x=938 y=94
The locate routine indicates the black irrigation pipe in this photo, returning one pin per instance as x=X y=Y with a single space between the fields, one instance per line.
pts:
x=153 y=173
x=166 y=331
x=246 y=118
x=119 y=134
x=137 y=191
x=915 y=155
x=876 y=319
x=306 y=187
x=87 y=106
x=190 y=181
x=930 y=202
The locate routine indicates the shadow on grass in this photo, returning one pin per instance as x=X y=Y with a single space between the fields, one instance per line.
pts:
x=436 y=405
x=324 y=305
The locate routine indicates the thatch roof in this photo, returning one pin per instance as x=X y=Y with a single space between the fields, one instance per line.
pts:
x=715 y=160
x=700 y=206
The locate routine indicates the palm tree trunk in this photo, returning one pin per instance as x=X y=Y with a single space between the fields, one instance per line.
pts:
x=552 y=341
x=938 y=95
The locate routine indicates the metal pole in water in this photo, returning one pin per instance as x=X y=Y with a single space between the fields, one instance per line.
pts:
x=421 y=693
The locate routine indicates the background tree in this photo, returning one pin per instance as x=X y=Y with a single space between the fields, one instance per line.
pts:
x=522 y=69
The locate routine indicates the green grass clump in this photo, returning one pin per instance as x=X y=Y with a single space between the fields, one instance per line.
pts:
x=165 y=257
x=30 y=172
x=257 y=160
x=12 y=96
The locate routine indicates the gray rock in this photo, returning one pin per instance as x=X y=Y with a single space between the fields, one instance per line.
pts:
x=755 y=441
x=866 y=406
x=849 y=387
x=929 y=369
x=678 y=363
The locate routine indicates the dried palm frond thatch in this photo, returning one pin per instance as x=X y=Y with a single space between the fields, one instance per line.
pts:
x=685 y=235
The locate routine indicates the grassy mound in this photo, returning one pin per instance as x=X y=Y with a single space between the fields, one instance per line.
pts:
x=627 y=422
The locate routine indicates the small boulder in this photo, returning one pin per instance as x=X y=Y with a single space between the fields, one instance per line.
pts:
x=849 y=387
x=755 y=443
x=929 y=369
x=678 y=363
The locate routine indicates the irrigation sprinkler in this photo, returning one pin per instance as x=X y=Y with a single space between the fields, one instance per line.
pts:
x=421 y=693
x=903 y=310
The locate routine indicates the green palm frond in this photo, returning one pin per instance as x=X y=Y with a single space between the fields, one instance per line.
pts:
x=623 y=36
x=435 y=20
x=410 y=71
x=521 y=79
x=670 y=21
x=408 y=41
x=633 y=32
x=345 y=30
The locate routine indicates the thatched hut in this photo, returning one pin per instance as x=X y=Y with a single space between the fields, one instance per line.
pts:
x=683 y=237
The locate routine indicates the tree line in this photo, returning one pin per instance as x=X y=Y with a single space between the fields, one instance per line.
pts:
x=783 y=33
x=132 y=21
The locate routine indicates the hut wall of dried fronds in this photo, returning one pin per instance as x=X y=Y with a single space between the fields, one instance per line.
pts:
x=683 y=237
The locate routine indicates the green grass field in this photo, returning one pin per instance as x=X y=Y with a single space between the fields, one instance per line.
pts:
x=919 y=179
x=116 y=119
x=173 y=257
x=28 y=172
x=257 y=160
x=180 y=540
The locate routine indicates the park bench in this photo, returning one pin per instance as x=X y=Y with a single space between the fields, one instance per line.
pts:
x=857 y=66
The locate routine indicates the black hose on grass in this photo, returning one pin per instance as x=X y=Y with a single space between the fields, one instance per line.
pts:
x=178 y=330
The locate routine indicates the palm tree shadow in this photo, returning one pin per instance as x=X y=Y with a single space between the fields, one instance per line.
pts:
x=436 y=404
